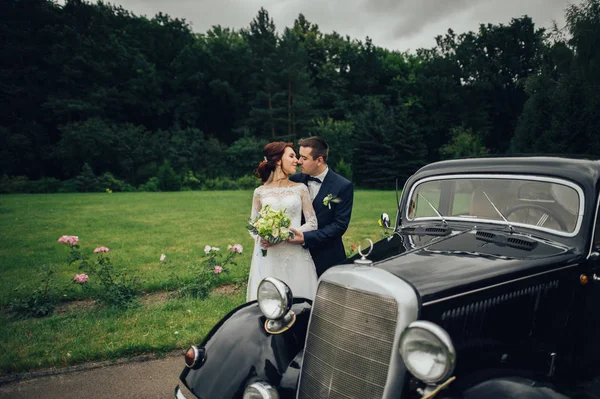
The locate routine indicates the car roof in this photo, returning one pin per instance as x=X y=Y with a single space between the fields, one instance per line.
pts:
x=585 y=172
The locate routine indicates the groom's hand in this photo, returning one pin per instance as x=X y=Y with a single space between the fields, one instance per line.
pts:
x=298 y=237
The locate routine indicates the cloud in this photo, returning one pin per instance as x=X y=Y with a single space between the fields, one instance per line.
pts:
x=421 y=29
x=394 y=24
x=410 y=17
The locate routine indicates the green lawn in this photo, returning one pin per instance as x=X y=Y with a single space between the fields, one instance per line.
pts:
x=138 y=228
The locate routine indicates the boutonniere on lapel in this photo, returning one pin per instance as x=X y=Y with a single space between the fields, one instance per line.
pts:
x=329 y=199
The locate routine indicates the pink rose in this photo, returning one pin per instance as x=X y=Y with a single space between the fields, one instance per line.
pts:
x=71 y=240
x=101 y=249
x=207 y=249
x=237 y=248
x=81 y=278
x=218 y=269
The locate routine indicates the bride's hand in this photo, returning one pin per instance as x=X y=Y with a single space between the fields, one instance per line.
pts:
x=265 y=244
x=298 y=237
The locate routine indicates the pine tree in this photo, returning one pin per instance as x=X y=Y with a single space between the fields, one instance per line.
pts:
x=386 y=146
x=262 y=40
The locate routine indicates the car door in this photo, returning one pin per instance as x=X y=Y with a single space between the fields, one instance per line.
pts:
x=587 y=347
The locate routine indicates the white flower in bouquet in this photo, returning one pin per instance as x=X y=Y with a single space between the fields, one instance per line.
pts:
x=271 y=225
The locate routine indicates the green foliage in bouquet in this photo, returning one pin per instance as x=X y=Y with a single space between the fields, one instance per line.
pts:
x=271 y=225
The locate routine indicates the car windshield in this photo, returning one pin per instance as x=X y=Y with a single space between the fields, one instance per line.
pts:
x=543 y=203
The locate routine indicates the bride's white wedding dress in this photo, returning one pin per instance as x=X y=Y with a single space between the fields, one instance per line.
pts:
x=290 y=263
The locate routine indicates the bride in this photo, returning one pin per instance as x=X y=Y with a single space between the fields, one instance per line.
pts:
x=288 y=262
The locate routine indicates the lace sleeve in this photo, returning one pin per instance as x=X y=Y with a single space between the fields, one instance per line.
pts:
x=310 y=216
x=256 y=206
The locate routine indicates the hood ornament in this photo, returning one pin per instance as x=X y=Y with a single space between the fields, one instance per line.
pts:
x=363 y=261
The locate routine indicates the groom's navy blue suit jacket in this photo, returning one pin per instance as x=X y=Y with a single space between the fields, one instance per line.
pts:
x=325 y=243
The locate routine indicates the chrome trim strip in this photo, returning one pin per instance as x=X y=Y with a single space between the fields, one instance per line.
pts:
x=399 y=211
x=178 y=394
x=594 y=230
x=496 y=285
x=512 y=177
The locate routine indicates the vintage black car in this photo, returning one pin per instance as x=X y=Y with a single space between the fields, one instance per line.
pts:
x=487 y=286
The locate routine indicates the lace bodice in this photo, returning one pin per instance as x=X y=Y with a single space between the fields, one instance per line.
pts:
x=295 y=200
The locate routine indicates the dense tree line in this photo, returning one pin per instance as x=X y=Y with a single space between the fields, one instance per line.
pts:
x=94 y=89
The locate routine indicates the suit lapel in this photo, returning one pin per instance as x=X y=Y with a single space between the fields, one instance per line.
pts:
x=325 y=188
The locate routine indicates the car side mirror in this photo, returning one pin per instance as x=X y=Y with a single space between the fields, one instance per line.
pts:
x=385 y=220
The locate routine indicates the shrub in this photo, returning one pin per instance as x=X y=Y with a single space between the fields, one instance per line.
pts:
x=87 y=180
x=167 y=178
x=464 y=143
x=16 y=184
x=108 y=181
x=128 y=188
x=150 y=185
x=37 y=303
x=145 y=172
x=220 y=183
x=117 y=288
x=4 y=184
x=190 y=181
x=247 y=182
x=46 y=185
x=209 y=273
x=69 y=186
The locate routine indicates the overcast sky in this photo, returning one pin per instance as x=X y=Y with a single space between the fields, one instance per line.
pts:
x=394 y=24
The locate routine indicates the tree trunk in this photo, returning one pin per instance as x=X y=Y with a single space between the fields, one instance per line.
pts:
x=294 y=123
x=289 y=107
x=271 y=115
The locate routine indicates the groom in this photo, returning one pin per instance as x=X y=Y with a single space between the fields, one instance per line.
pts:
x=333 y=215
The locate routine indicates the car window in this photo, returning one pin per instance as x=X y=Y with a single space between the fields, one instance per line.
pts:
x=549 y=204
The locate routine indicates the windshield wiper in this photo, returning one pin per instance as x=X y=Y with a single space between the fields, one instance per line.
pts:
x=512 y=229
x=434 y=209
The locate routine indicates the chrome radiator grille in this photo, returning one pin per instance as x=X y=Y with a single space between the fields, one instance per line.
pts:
x=349 y=344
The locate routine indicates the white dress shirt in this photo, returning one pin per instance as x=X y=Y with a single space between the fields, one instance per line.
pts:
x=314 y=187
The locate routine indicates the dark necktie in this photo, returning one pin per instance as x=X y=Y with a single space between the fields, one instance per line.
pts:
x=314 y=179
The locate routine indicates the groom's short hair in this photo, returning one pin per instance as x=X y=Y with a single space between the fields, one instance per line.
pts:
x=318 y=145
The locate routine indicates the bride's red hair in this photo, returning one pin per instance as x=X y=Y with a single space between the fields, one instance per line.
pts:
x=273 y=153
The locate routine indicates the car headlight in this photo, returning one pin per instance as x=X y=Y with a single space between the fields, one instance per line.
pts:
x=260 y=390
x=275 y=302
x=274 y=298
x=427 y=351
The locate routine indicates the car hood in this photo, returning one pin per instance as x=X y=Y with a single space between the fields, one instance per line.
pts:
x=441 y=266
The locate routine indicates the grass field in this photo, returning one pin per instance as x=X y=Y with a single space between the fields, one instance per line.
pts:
x=138 y=228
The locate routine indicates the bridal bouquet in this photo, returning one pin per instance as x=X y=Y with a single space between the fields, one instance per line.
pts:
x=271 y=225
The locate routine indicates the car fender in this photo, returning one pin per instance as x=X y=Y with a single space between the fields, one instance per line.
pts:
x=512 y=387
x=238 y=351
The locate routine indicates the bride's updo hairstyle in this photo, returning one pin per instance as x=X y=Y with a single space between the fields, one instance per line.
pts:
x=273 y=152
